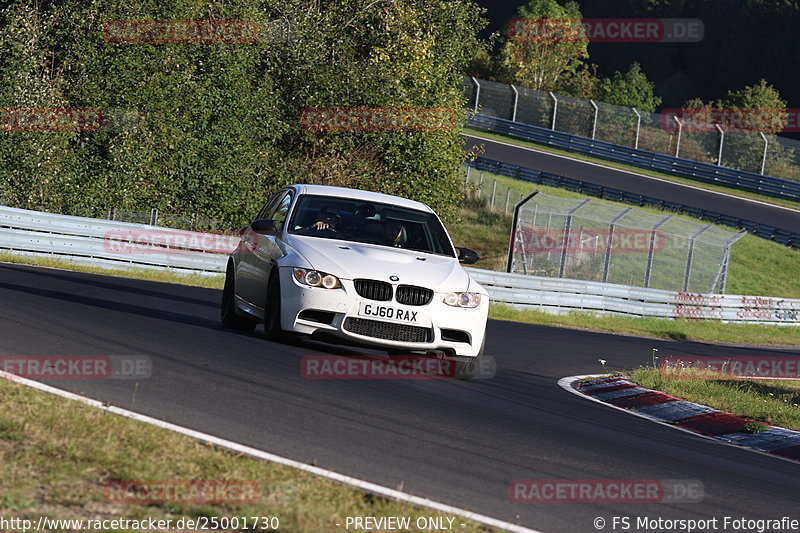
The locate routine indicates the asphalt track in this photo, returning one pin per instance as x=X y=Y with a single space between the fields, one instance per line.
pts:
x=460 y=443
x=783 y=218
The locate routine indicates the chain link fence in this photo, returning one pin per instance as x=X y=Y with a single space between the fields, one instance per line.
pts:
x=667 y=134
x=591 y=240
x=489 y=191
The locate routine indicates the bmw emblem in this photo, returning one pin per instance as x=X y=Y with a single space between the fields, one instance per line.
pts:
x=394 y=278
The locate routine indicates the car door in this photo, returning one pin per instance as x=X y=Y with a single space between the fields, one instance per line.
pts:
x=260 y=251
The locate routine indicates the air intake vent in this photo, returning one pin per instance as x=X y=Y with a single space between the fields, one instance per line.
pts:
x=410 y=295
x=373 y=289
x=387 y=330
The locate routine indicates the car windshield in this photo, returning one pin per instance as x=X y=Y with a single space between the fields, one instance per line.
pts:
x=331 y=217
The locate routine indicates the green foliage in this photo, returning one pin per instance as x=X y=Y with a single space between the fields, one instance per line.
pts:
x=631 y=89
x=218 y=123
x=547 y=63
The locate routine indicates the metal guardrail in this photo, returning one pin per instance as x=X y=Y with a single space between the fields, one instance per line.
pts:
x=111 y=244
x=120 y=245
x=781 y=236
x=559 y=296
x=685 y=168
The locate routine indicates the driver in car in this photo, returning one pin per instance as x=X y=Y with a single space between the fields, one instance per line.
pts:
x=326 y=220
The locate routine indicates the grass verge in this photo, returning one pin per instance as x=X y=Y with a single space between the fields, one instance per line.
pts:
x=774 y=402
x=637 y=170
x=58 y=455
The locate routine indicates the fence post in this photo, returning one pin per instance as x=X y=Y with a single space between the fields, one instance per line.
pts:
x=680 y=130
x=480 y=186
x=494 y=190
x=689 y=257
x=567 y=225
x=594 y=125
x=764 y=159
x=466 y=179
x=112 y=213
x=555 y=110
x=514 y=232
x=154 y=217
x=477 y=93
x=516 y=99
x=721 y=141
x=611 y=227
x=508 y=197
x=638 y=128
x=650 y=251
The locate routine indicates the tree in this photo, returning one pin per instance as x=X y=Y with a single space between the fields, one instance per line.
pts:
x=546 y=47
x=220 y=123
x=631 y=89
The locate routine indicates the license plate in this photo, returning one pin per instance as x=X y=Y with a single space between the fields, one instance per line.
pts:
x=390 y=313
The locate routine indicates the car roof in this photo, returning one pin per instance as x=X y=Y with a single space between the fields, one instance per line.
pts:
x=357 y=194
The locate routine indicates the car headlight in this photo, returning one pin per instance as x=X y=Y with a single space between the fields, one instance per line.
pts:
x=463 y=299
x=314 y=278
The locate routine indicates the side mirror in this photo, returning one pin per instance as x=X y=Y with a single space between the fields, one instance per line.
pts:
x=263 y=225
x=467 y=256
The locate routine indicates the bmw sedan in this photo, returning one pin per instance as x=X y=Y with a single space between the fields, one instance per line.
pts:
x=359 y=268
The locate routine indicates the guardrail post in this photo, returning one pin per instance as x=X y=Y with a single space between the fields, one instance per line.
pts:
x=112 y=213
x=638 y=128
x=514 y=222
x=650 y=251
x=611 y=226
x=594 y=124
x=477 y=93
x=555 y=110
x=764 y=159
x=680 y=130
x=516 y=99
x=689 y=257
x=154 y=217
x=721 y=141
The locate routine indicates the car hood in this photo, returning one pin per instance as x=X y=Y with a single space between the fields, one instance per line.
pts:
x=350 y=260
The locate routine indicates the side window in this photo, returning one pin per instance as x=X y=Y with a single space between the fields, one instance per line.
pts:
x=270 y=206
x=281 y=210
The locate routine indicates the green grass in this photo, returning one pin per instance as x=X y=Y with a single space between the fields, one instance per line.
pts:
x=679 y=329
x=775 y=402
x=56 y=456
x=669 y=177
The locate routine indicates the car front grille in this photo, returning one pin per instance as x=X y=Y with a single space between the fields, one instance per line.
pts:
x=387 y=330
x=373 y=289
x=411 y=295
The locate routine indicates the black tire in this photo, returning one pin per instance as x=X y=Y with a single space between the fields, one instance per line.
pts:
x=227 y=314
x=468 y=369
x=272 y=309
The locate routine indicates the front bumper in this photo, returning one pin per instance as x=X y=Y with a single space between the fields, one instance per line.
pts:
x=440 y=327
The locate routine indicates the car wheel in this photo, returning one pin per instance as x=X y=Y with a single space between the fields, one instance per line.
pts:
x=272 y=309
x=467 y=370
x=228 y=315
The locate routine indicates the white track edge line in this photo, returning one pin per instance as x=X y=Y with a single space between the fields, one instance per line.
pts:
x=695 y=187
x=566 y=384
x=259 y=454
